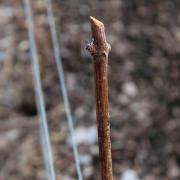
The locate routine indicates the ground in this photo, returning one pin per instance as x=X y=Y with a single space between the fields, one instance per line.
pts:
x=144 y=91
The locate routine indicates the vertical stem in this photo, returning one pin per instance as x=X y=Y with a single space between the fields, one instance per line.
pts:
x=99 y=49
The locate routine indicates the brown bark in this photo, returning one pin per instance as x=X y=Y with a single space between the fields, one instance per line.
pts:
x=99 y=49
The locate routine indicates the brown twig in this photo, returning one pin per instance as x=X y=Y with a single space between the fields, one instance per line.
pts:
x=99 y=49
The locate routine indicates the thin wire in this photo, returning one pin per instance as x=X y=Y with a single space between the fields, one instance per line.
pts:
x=46 y=145
x=62 y=84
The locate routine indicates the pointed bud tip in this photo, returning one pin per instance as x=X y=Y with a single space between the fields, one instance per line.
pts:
x=96 y=22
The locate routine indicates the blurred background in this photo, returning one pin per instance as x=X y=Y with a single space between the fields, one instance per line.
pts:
x=144 y=89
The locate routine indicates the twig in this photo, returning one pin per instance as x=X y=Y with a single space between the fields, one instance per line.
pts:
x=99 y=49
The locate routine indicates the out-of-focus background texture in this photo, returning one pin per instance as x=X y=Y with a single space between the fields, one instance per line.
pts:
x=144 y=84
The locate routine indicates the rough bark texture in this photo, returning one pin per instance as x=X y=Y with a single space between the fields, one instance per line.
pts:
x=99 y=49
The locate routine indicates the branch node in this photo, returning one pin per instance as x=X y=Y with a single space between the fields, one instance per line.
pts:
x=98 y=46
x=94 y=51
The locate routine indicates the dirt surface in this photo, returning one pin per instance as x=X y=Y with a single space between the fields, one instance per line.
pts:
x=144 y=76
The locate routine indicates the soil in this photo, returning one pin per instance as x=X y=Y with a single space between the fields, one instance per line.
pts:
x=144 y=88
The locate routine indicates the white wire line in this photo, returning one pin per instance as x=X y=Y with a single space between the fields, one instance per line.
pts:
x=46 y=145
x=63 y=84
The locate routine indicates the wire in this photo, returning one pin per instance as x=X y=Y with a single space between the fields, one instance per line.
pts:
x=46 y=145
x=62 y=84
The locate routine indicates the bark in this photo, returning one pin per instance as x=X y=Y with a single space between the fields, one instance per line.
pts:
x=99 y=49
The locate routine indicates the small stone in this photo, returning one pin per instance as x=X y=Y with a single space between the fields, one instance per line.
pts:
x=88 y=171
x=130 y=89
x=129 y=174
x=85 y=159
x=85 y=135
x=23 y=46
